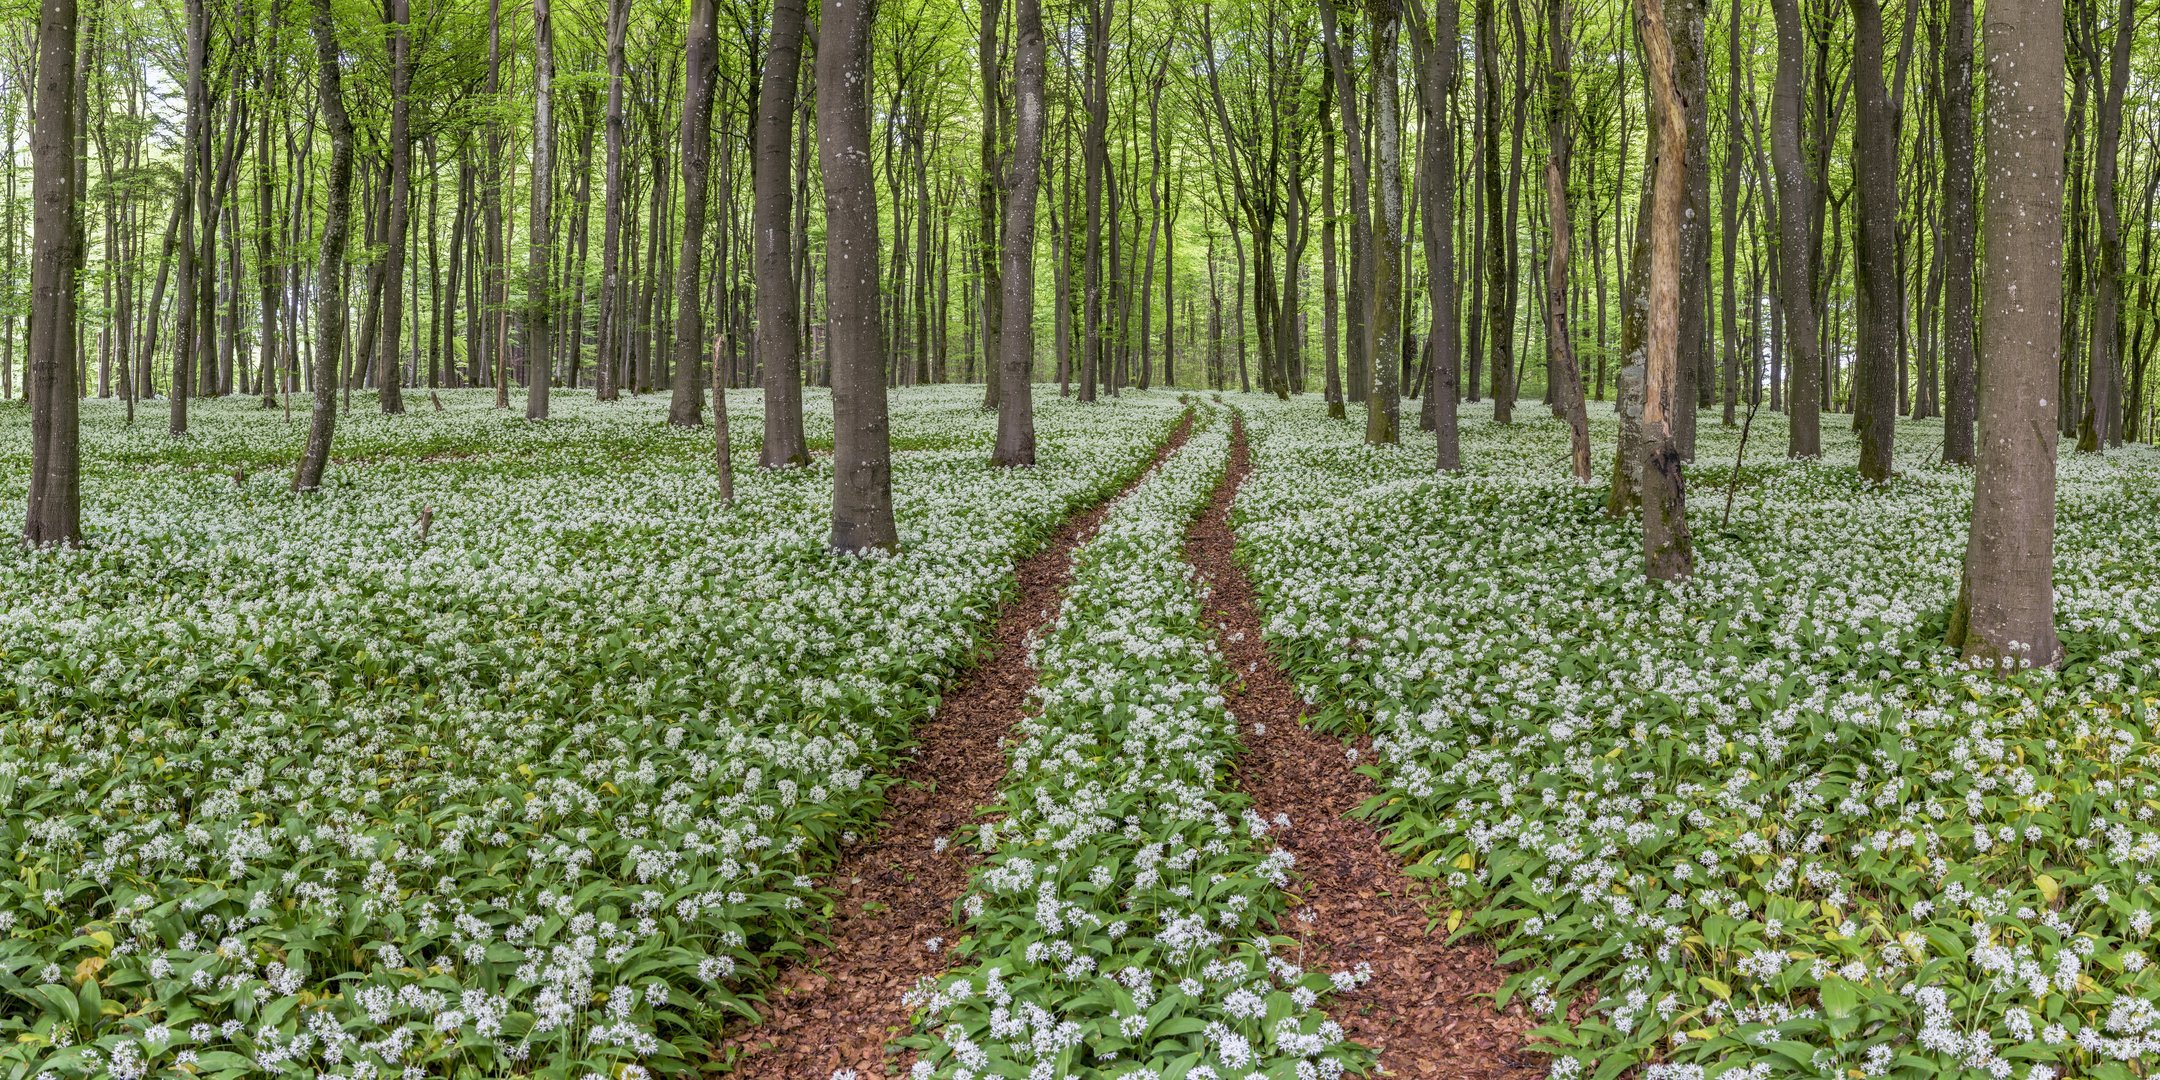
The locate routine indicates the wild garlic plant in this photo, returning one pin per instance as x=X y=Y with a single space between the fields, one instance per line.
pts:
x=1761 y=823
x=1121 y=923
x=287 y=786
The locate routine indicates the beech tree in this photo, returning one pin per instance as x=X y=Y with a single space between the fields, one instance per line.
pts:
x=337 y=223
x=55 y=515
x=862 y=438
x=2006 y=601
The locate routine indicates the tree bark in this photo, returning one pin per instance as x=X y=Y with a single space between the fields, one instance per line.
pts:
x=608 y=366
x=778 y=361
x=701 y=50
x=1796 y=201
x=2006 y=600
x=54 y=514
x=1016 y=405
x=330 y=274
x=862 y=438
x=2101 y=425
x=1958 y=238
x=1384 y=316
x=540 y=221
x=1880 y=310
x=387 y=382
x=1668 y=551
x=1559 y=336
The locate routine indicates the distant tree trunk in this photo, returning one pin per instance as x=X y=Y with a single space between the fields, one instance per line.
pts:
x=701 y=53
x=1330 y=297
x=193 y=151
x=1559 y=336
x=1361 y=240
x=266 y=270
x=862 y=437
x=1016 y=405
x=1095 y=150
x=2101 y=425
x=1668 y=552
x=1438 y=43
x=540 y=220
x=607 y=367
x=1731 y=199
x=1958 y=241
x=775 y=212
x=1796 y=199
x=54 y=513
x=2006 y=600
x=330 y=275
x=989 y=202
x=1691 y=75
x=387 y=376
x=1382 y=424
x=1879 y=310
x=495 y=288
x=1499 y=333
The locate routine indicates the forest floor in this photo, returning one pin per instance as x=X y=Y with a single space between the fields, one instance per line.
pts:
x=1427 y=1010
x=840 y=1006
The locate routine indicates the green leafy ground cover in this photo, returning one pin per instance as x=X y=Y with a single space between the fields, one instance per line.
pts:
x=1122 y=922
x=286 y=788
x=1762 y=823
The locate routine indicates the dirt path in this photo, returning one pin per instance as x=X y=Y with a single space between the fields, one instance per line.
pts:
x=837 y=1009
x=1350 y=904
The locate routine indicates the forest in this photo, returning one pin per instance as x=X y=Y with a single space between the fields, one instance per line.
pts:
x=1173 y=540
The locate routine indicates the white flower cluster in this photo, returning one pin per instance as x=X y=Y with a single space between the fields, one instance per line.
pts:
x=287 y=786
x=1761 y=823
x=1119 y=926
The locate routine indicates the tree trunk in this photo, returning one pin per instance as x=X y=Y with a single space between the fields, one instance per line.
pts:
x=989 y=202
x=774 y=230
x=1016 y=406
x=1876 y=285
x=701 y=52
x=54 y=513
x=862 y=438
x=2006 y=601
x=2101 y=425
x=330 y=274
x=606 y=369
x=1668 y=552
x=387 y=380
x=1796 y=200
x=1382 y=423
x=1559 y=336
x=539 y=244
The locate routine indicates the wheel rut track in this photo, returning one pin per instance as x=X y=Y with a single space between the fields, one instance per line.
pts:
x=1426 y=1010
x=838 y=1007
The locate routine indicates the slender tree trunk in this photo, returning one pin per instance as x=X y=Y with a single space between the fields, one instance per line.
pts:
x=1668 y=552
x=778 y=361
x=989 y=202
x=387 y=376
x=2006 y=601
x=330 y=275
x=1731 y=199
x=1438 y=42
x=1559 y=336
x=540 y=220
x=1876 y=286
x=54 y=514
x=1096 y=161
x=1382 y=424
x=1796 y=198
x=862 y=437
x=700 y=59
x=1016 y=406
x=607 y=367
x=2101 y=425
